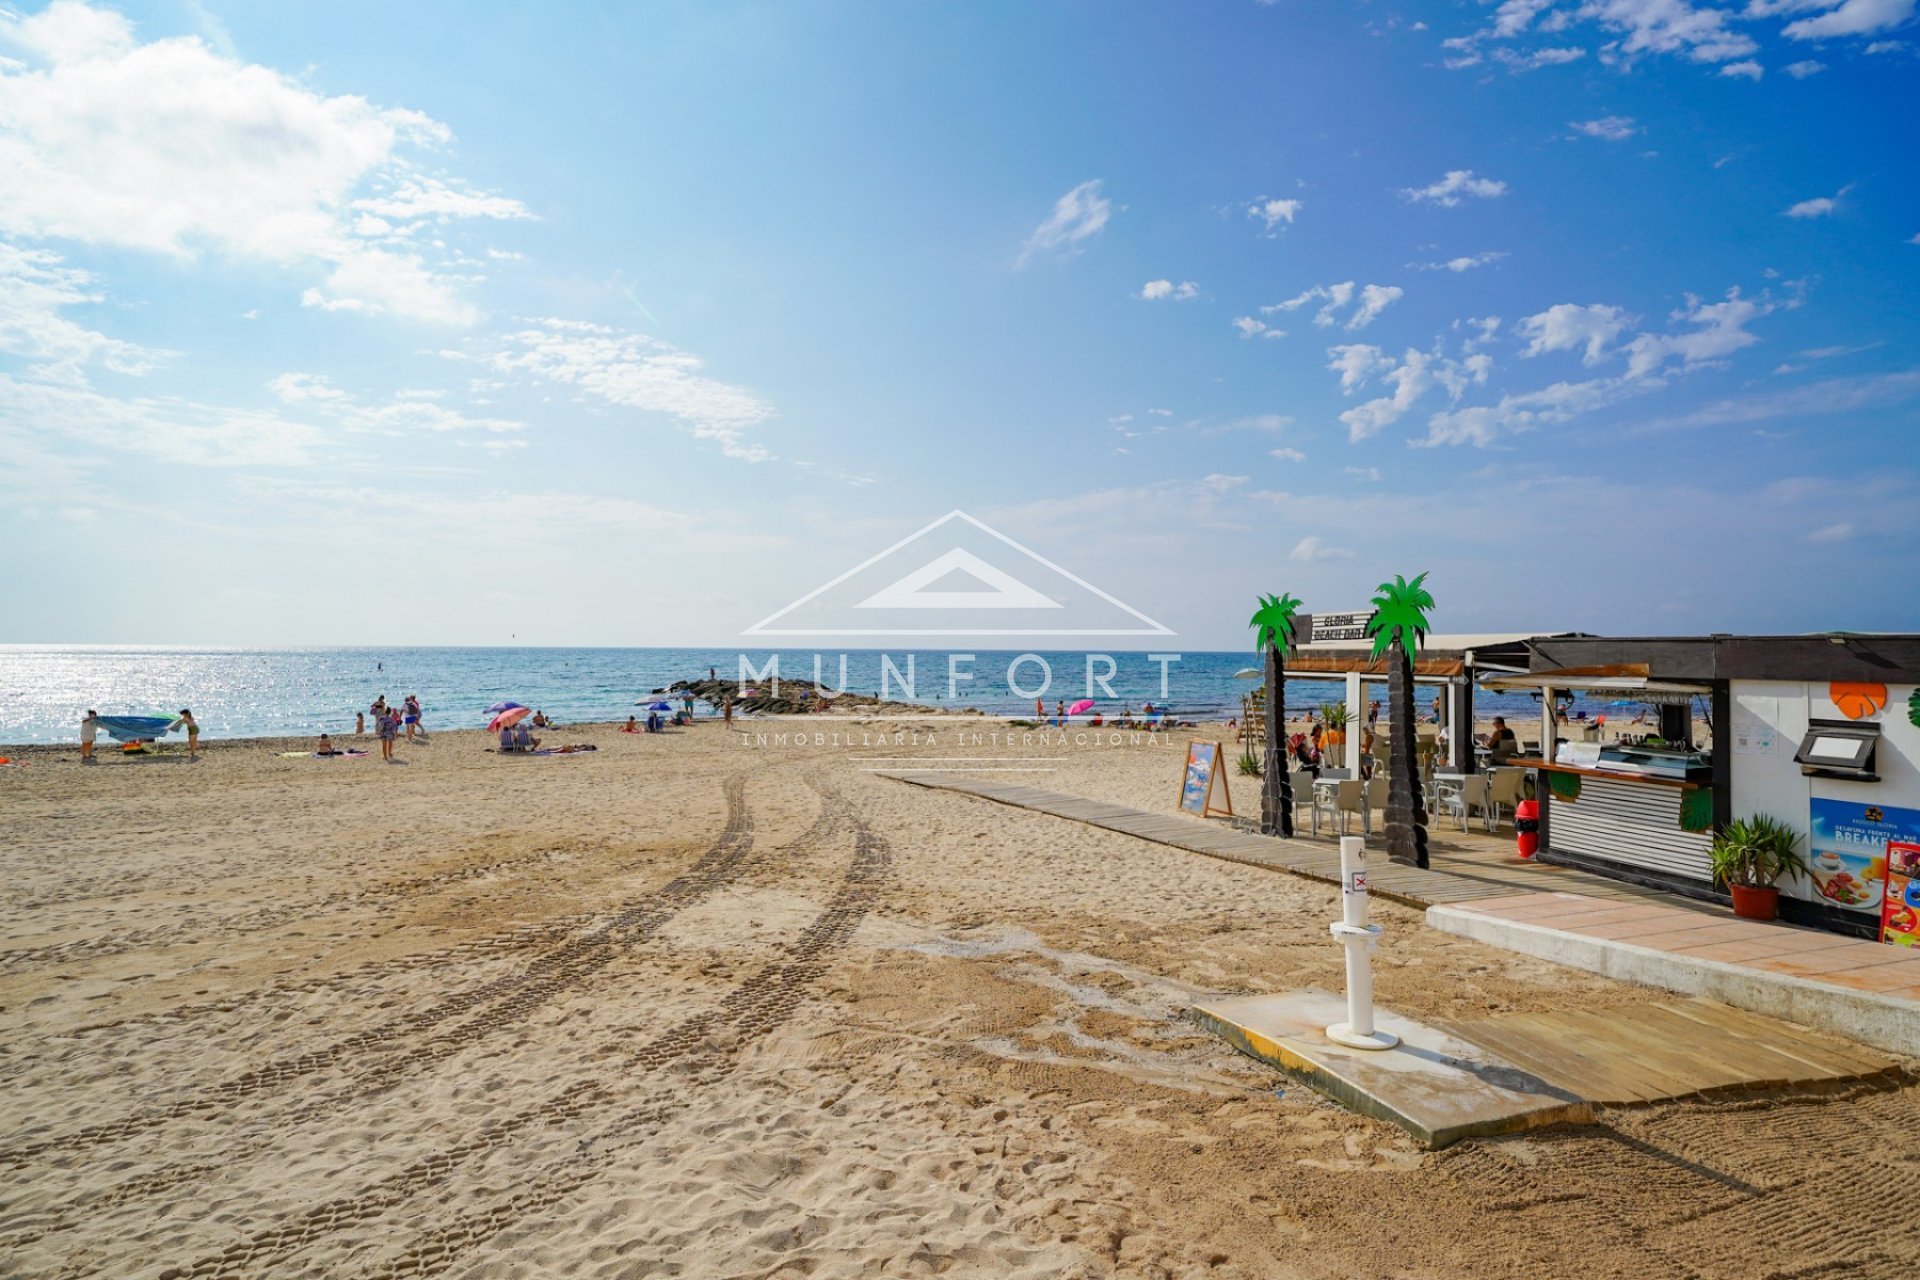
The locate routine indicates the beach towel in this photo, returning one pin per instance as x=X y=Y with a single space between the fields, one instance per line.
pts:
x=132 y=728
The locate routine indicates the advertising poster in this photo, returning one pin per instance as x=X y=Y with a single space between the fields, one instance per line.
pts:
x=1900 y=909
x=1196 y=788
x=1848 y=850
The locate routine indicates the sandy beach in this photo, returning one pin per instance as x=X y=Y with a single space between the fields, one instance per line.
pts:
x=690 y=1005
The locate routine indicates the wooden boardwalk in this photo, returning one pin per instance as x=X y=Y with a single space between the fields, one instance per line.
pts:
x=1674 y=1049
x=1464 y=872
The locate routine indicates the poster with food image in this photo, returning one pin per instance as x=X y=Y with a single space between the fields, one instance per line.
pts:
x=1900 y=905
x=1847 y=853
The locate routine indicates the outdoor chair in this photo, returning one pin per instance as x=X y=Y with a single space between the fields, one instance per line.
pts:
x=1460 y=795
x=1345 y=796
x=1377 y=788
x=1508 y=788
x=1302 y=783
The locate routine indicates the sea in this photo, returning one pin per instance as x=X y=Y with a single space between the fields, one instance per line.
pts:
x=292 y=692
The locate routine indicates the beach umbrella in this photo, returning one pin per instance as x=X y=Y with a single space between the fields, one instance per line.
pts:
x=499 y=707
x=513 y=715
x=1247 y=673
x=659 y=706
x=1085 y=704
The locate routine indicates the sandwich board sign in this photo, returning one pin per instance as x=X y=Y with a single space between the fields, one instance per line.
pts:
x=1203 y=774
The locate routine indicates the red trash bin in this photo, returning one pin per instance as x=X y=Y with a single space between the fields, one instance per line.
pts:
x=1526 y=827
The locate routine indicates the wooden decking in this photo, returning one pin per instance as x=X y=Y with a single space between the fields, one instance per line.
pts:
x=1675 y=1049
x=1462 y=870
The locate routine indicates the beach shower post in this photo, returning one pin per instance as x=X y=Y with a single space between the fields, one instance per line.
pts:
x=1354 y=933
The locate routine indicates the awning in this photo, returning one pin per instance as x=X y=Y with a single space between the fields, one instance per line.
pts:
x=1626 y=678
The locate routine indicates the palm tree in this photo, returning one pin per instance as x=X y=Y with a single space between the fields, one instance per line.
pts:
x=1273 y=636
x=1398 y=625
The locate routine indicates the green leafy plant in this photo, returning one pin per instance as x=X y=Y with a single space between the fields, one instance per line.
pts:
x=1273 y=622
x=1756 y=852
x=1250 y=765
x=1334 y=715
x=1400 y=613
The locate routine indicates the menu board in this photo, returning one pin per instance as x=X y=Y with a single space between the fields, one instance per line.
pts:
x=1900 y=906
x=1201 y=776
x=1849 y=847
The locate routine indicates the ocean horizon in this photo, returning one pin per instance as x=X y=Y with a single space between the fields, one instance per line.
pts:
x=293 y=691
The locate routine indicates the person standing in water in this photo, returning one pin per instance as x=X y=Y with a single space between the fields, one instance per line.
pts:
x=193 y=734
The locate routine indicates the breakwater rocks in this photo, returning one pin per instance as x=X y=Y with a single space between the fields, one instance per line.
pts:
x=796 y=698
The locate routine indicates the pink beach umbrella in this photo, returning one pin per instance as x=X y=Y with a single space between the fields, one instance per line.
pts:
x=1080 y=707
x=507 y=719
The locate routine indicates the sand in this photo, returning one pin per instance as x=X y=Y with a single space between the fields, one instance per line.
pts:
x=697 y=1007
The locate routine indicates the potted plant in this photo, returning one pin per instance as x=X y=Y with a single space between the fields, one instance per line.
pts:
x=1749 y=856
x=1334 y=716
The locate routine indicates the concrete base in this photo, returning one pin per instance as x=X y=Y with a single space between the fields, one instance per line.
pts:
x=1885 y=1022
x=1437 y=1087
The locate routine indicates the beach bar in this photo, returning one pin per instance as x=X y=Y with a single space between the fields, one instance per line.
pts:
x=1821 y=732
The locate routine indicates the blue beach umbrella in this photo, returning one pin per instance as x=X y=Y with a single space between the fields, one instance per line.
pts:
x=499 y=707
x=659 y=706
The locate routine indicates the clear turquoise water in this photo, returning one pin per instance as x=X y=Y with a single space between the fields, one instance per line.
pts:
x=45 y=689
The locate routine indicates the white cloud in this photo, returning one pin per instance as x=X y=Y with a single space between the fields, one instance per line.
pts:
x=170 y=147
x=1671 y=26
x=638 y=372
x=1312 y=548
x=1077 y=216
x=1569 y=325
x=1815 y=400
x=505 y=255
x=417 y=196
x=296 y=388
x=1748 y=70
x=1287 y=455
x=1513 y=16
x=1156 y=290
x=1719 y=330
x=35 y=288
x=1484 y=327
x=1251 y=328
x=1356 y=362
x=1373 y=299
x=1852 y=18
x=1820 y=206
x=1612 y=128
x=1273 y=212
x=165 y=429
x=1886 y=46
x=1828 y=534
x=1370 y=475
x=1550 y=57
x=1801 y=70
x=1454 y=186
x=1464 y=263
x=1412 y=377
x=1705 y=334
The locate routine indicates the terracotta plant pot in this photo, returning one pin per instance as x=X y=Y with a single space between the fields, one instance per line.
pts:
x=1751 y=902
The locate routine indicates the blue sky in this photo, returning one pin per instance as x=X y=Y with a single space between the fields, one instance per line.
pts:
x=627 y=324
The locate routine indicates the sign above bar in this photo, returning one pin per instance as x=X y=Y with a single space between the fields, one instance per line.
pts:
x=1338 y=628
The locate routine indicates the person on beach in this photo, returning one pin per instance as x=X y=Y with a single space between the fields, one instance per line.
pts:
x=631 y=726
x=1373 y=713
x=412 y=716
x=359 y=724
x=193 y=734
x=713 y=673
x=325 y=747
x=1501 y=743
x=388 y=725
x=726 y=712
x=89 y=726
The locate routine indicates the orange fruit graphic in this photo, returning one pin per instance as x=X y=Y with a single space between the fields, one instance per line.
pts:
x=1857 y=701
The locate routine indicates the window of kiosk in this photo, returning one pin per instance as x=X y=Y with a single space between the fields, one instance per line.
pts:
x=1839 y=750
